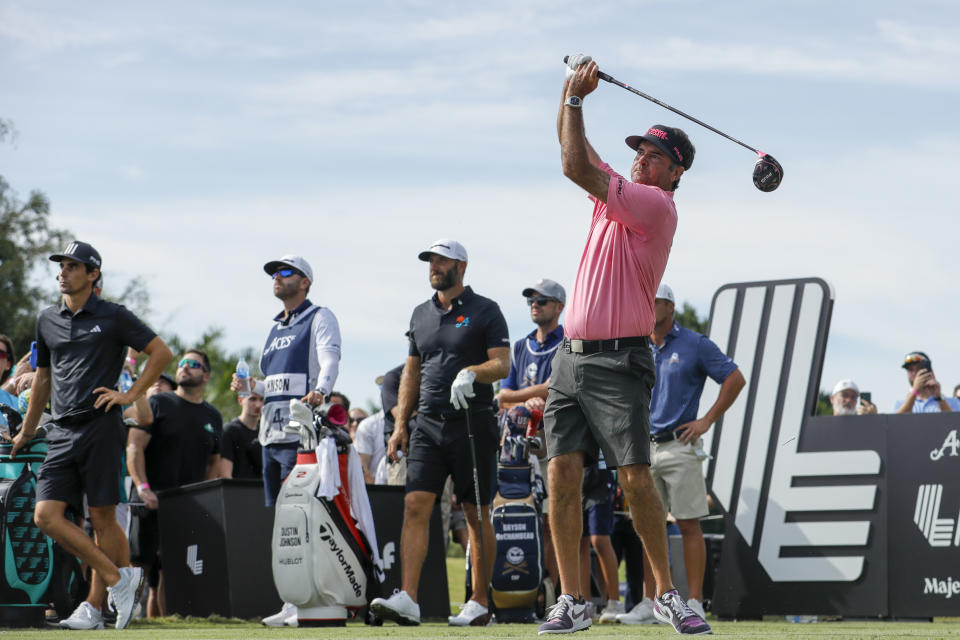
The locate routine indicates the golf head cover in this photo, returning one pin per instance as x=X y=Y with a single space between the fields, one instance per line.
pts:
x=462 y=388
x=301 y=420
x=516 y=419
x=767 y=173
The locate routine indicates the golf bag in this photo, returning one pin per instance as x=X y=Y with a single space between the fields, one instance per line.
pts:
x=518 y=570
x=34 y=571
x=325 y=554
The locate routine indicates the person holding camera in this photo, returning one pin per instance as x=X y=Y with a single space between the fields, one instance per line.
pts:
x=924 y=395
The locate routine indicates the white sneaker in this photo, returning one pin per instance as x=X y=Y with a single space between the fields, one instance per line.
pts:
x=697 y=607
x=610 y=613
x=281 y=618
x=567 y=616
x=124 y=596
x=85 y=616
x=640 y=614
x=399 y=607
x=472 y=614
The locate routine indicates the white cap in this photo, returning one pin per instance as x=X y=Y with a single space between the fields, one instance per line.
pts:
x=446 y=248
x=295 y=262
x=260 y=388
x=664 y=292
x=843 y=385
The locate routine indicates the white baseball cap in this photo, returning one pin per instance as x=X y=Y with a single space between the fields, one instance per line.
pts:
x=294 y=262
x=843 y=385
x=446 y=248
x=664 y=292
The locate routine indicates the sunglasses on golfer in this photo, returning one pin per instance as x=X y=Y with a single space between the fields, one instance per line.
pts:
x=539 y=301
x=190 y=363
x=286 y=273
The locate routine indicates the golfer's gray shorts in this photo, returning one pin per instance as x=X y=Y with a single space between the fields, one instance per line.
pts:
x=601 y=401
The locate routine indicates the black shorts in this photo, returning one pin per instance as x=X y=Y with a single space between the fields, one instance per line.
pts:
x=440 y=448
x=84 y=459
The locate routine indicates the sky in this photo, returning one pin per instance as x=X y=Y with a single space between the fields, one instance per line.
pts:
x=193 y=142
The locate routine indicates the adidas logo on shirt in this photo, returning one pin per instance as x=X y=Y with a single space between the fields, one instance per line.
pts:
x=96 y=329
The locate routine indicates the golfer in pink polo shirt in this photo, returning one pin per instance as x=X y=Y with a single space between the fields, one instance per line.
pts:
x=599 y=394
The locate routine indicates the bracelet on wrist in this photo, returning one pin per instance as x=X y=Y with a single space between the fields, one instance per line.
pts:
x=915 y=393
x=144 y=485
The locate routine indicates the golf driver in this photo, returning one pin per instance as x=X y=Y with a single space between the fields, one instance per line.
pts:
x=767 y=172
x=476 y=496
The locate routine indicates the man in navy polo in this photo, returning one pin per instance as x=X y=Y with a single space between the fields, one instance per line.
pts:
x=532 y=357
x=683 y=359
x=458 y=348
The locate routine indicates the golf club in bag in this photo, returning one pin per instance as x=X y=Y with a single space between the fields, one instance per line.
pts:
x=767 y=172
x=325 y=554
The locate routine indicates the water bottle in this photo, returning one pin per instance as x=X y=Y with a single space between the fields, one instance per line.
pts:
x=243 y=376
x=126 y=381
x=23 y=402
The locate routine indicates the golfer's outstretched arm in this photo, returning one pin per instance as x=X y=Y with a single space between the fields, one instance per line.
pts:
x=575 y=152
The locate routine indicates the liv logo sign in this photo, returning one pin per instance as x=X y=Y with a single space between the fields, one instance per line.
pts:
x=775 y=332
x=938 y=531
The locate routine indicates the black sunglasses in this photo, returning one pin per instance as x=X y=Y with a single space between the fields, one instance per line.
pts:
x=539 y=301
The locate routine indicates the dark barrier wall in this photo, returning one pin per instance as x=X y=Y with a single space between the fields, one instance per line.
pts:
x=852 y=516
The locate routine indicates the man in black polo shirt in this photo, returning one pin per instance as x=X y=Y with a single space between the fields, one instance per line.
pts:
x=81 y=343
x=176 y=442
x=458 y=347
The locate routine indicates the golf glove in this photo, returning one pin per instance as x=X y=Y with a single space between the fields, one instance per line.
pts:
x=574 y=61
x=462 y=388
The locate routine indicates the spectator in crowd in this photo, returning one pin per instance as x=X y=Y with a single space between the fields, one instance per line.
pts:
x=81 y=343
x=844 y=400
x=530 y=365
x=240 y=454
x=924 y=395
x=956 y=392
x=371 y=445
x=20 y=376
x=394 y=469
x=7 y=360
x=599 y=395
x=338 y=398
x=683 y=359
x=355 y=417
x=176 y=442
x=532 y=356
x=459 y=347
x=300 y=359
x=598 y=486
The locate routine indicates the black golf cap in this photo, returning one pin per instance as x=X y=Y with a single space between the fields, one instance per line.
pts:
x=916 y=356
x=81 y=252
x=671 y=140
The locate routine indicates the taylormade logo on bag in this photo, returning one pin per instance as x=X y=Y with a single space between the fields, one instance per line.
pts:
x=336 y=550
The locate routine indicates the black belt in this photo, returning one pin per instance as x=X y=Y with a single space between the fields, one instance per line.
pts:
x=596 y=346
x=664 y=436
x=82 y=417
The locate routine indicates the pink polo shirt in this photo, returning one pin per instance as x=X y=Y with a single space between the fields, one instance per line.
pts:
x=623 y=262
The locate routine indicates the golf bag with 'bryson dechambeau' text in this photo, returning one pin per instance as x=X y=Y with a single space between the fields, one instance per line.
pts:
x=518 y=570
x=325 y=554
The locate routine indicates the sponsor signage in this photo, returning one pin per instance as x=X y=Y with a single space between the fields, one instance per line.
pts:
x=853 y=515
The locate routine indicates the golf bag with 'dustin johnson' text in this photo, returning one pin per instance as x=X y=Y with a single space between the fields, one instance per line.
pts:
x=517 y=583
x=325 y=554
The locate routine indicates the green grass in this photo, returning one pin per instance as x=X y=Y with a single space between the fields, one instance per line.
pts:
x=216 y=628
x=202 y=629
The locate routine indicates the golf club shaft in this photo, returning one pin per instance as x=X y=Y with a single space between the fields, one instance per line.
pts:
x=612 y=80
x=476 y=495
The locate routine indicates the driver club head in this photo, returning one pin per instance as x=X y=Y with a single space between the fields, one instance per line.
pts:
x=767 y=172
